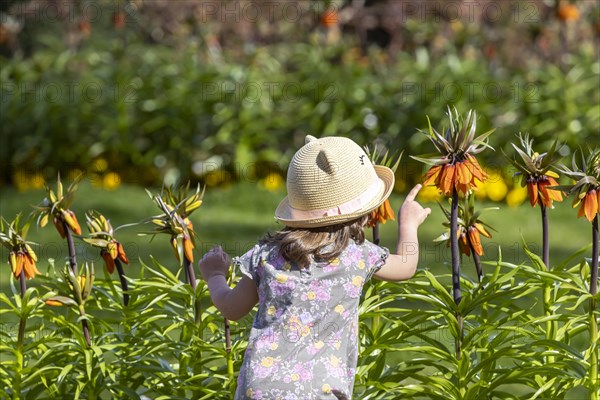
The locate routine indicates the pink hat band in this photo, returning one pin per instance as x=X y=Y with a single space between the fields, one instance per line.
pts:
x=341 y=209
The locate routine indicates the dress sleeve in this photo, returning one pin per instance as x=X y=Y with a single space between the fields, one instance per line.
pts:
x=248 y=264
x=375 y=258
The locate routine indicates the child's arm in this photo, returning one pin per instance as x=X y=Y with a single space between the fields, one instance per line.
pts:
x=403 y=264
x=233 y=303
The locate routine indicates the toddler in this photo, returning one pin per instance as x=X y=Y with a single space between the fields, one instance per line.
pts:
x=308 y=277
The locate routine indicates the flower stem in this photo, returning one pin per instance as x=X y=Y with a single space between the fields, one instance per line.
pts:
x=20 y=339
x=454 y=247
x=594 y=272
x=477 y=261
x=376 y=238
x=455 y=267
x=23 y=282
x=71 y=244
x=191 y=278
x=545 y=244
x=550 y=325
x=230 y=372
x=594 y=338
x=84 y=326
x=124 y=285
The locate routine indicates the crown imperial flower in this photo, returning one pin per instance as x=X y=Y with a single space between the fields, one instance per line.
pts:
x=454 y=166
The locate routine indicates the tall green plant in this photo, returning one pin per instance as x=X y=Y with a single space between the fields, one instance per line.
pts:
x=455 y=171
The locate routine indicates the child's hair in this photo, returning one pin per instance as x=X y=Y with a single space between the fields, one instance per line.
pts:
x=302 y=245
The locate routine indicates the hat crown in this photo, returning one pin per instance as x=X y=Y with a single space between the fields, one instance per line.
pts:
x=328 y=172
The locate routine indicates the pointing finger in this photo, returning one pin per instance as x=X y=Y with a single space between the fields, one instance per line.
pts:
x=413 y=193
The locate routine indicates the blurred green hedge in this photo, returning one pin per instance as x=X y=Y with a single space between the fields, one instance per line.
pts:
x=154 y=111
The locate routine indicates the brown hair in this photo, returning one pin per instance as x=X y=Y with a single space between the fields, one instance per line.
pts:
x=302 y=245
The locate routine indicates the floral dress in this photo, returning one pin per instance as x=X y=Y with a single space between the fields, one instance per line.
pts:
x=304 y=339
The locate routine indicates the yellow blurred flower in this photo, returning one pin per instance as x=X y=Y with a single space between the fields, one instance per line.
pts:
x=311 y=295
x=496 y=190
x=272 y=182
x=339 y=309
x=319 y=344
x=271 y=310
x=274 y=346
x=111 y=181
x=218 y=177
x=21 y=181
x=516 y=196
x=429 y=193
x=99 y=165
x=361 y=264
x=36 y=181
x=281 y=278
x=295 y=377
x=326 y=388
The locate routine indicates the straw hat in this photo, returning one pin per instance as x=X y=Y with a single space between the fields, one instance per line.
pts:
x=330 y=181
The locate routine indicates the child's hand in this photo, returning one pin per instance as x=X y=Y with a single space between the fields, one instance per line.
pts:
x=412 y=214
x=215 y=262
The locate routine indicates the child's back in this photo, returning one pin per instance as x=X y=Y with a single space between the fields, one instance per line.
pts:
x=303 y=342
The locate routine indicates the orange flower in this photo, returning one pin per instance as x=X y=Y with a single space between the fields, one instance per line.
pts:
x=71 y=220
x=381 y=215
x=23 y=261
x=108 y=260
x=121 y=253
x=463 y=242
x=589 y=205
x=454 y=166
x=188 y=248
x=475 y=240
x=475 y=168
x=59 y=227
x=532 y=191
x=432 y=175
x=568 y=12
x=329 y=18
x=119 y=20
x=29 y=266
x=85 y=28
x=446 y=182
x=549 y=195
x=539 y=192
x=462 y=176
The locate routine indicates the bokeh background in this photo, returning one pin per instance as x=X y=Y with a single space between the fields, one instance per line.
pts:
x=143 y=93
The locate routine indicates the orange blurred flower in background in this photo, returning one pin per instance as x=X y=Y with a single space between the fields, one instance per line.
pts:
x=330 y=18
x=568 y=12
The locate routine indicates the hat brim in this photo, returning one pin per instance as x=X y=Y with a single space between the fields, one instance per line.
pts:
x=284 y=215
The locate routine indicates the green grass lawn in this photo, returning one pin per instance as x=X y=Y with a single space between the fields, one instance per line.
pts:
x=237 y=216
